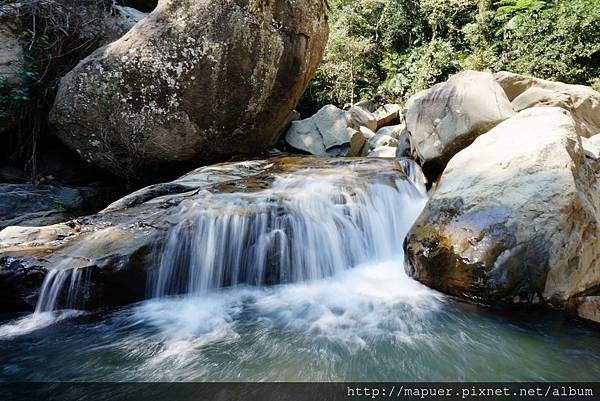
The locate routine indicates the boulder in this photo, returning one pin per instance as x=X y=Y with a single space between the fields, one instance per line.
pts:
x=332 y=132
x=87 y=23
x=118 y=23
x=586 y=308
x=581 y=101
x=515 y=216
x=446 y=118
x=385 y=114
x=11 y=51
x=388 y=114
x=194 y=82
x=280 y=137
x=404 y=145
x=384 y=151
x=11 y=60
x=392 y=130
x=369 y=105
x=367 y=133
x=382 y=140
x=25 y=204
x=357 y=117
x=118 y=250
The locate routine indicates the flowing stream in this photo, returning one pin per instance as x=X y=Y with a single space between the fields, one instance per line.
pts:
x=300 y=281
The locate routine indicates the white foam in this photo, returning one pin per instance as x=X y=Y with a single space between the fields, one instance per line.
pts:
x=33 y=322
x=371 y=299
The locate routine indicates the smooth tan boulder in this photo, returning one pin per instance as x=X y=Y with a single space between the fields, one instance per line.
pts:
x=515 y=217
x=581 y=101
x=586 y=308
x=196 y=81
x=448 y=117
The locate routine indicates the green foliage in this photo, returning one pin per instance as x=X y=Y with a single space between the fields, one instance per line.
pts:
x=400 y=47
x=419 y=69
x=57 y=205
x=518 y=5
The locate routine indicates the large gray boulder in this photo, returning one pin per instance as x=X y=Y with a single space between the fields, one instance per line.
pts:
x=195 y=81
x=581 y=101
x=11 y=60
x=448 y=117
x=26 y=204
x=515 y=217
x=333 y=132
x=11 y=51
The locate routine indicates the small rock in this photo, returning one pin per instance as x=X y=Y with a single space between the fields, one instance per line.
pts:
x=384 y=152
x=387 y=115
x=392 y=130
x=380 y=140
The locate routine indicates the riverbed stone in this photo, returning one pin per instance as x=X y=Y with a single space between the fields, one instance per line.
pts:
x=192 y=83
x=586 y=308
x=448 y=117
x=392 y=130
x=581 y=101
x=387 y=114
x=26 y=204
x=332 y=132
x=380 y=140
x=384 y=151
x=515 y=216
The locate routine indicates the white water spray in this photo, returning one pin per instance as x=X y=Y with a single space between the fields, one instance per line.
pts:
x=308 y=225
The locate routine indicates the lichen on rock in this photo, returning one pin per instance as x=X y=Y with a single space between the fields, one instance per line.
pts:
x=194 y=82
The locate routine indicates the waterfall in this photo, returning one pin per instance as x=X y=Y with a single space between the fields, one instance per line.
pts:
x=64 y=287
x=67 y=284
x=307 y=225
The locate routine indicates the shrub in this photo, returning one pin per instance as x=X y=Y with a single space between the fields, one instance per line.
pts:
x=408 y=46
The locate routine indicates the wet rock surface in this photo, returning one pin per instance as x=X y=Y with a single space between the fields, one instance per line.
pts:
x=514 y=224
x=116 y=248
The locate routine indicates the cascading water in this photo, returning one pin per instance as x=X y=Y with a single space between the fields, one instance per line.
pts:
x=312 y=224
x=67 y=285
x=55 y=282
x=346 y=311
x=306 y=226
